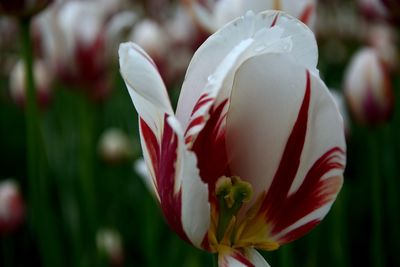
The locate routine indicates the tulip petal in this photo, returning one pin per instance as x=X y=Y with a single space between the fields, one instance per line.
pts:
x=145 y=86
x=195 y=205
x=281 y=110
x=234 y=258
x=210 y=73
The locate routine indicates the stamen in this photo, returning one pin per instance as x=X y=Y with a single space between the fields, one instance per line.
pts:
x=231 y=193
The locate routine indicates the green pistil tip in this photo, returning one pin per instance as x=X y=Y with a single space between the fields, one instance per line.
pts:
x=231 y=192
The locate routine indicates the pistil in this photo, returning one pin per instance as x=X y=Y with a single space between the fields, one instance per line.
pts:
x=231 y=193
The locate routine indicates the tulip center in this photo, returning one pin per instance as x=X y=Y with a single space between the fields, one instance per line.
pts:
x=227 y=231
x=231 y=193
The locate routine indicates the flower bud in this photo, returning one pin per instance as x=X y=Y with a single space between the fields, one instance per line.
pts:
x=110 y=245
x=368 y=89
x=11 y=207
x=22 y=8
x=383 y=39
x=43 y=83
x=115 y=146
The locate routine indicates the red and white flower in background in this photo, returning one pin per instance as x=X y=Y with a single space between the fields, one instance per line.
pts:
x=77 y=38
x=388 y=10
x=213 y=14
x=12 y=209
x=368 y=88
x=253 y=158
x=382 y=37
x=43 y=83
x=170 y=43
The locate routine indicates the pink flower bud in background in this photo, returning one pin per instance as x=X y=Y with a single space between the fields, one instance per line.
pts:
x=114 y=146
x=383 y=39
x=43 y=83
x=368 y=88
x=12 y=209
x=22 y=8
x=109 y=243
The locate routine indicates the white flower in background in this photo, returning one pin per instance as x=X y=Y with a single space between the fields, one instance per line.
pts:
x=114 y=146
x=43 y=83
x=253 y=157
x=383 y=39
x=12 y=210
x=213 y=14
x=78 y=38
x=109 y=242
x=368 y=89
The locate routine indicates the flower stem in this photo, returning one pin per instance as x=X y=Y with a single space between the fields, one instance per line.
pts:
x=215 y=259
x=40 y=211
x=86 y=183
x=285 y=256
x=376 y=199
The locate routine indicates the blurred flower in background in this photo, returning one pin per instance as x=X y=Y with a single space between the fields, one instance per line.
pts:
x=12 y=208
x=171 y=42
x=211 y=15
x=78 y=40
x=204 y=162
x=22 y=8
x=44 y=83
x=109 y=243
x=114 y=146
x=368 y=88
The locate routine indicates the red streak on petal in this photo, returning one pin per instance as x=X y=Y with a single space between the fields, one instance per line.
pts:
x=211 y=151
x=306 y=15
x=202 y=101
x=194 y=122
x=152 y=145
x=275 y=20
x=313 y=192
x=164 y=162
x=290 y=161
x=296 y=233
x=242 y=259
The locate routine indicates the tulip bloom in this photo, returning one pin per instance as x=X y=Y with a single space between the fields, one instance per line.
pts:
x=368 y=89
x=254 y=155
x=12 y=209
x=77 y=39
x=218 y=12
x=43 y=77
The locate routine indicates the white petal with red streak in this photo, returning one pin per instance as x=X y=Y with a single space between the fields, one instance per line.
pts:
x=234 y=258
x=325 y=130
x=145 y=86
x=195 y=205
x=250 y=28
x=266 y=98
x=256 y=258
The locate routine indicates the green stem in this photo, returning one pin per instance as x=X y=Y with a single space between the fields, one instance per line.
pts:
x=40 y=211
x=376 y=198
x=391 y=185
x=339 y=232
x=285 y=256
x=215 y=259
x=86 y=182
x=7 y=252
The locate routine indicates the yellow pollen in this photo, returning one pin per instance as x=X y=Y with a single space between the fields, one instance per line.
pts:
x=227 y=230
